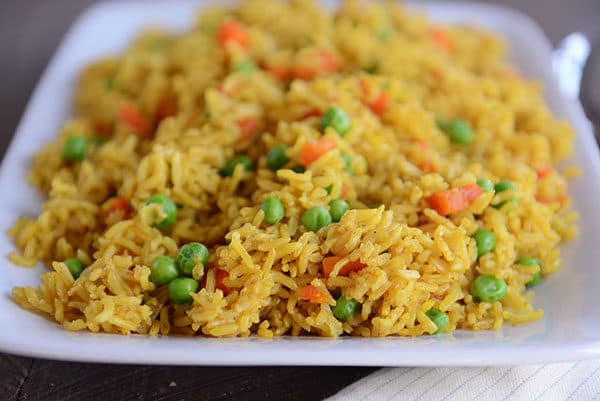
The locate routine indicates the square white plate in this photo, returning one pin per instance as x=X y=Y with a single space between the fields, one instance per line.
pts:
x=569 y=330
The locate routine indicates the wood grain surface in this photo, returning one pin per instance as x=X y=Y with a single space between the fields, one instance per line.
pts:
x=30 y=30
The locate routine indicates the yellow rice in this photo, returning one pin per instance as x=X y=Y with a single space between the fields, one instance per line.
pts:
x=416 y=259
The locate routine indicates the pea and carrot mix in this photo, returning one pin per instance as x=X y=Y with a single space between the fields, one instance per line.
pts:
x=365 y=172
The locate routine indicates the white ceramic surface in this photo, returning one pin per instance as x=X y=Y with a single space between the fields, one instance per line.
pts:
x=570 y=328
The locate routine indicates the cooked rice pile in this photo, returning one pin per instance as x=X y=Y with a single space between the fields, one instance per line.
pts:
x=193 y=98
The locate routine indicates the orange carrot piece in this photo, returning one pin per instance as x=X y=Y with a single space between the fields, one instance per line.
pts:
x=232 y=32
x=441 y=38
x=325 y=64
x=278 y=71
x=543 y=171
x=380 y=104
x=329 y=262
x=221 y=275
x=454 y=200
x=304 y=73
x=344 y=192
x=327 y=61
x=118 y=205
x=315 y=149
x=248 y=128
x=423 y=145
x=312 y=294
x=131 y=116
x=427 y=166
x=471 y=192
x=310 y=113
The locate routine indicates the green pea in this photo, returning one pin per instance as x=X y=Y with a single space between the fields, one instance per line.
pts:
x=229 y=167
x=487 y=288
x=191 y=254
x=75 y=149
x=167 y=206
x=485 y=184
x=75 y=267
x=274 y=210
x=337 y=119
x=329 y=188
x=347 y=162
x=514 y=201
x=180 y=289
x=486 y=241
x=316 y=218
x=504 y=185
x=244 y=66
x=535 y=280
x=344 y=308
x=439 y=318
x=299 y=169
x=460 y=131
x=337 y=208
x=163 y=270
x=531 y=261
x=277 y=158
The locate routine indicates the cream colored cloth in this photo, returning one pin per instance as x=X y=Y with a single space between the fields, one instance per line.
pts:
x=561 y=381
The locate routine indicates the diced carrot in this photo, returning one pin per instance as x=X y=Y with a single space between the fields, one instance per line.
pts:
x=221 y=275
x=329 y=263
x=315 y=149
x=471 y=192
x=423 y=145
x=312 y=294
x=118 y=206
x=232 y=32
x=380 y=104
x=427 y=166
x=304 y=73
x=325 y=64
x=310 y=113
x=344 y=192
x=543 y=171
x=131 y=116
x=166 y=108
x=327 y=61
x=441 y=38
x=248 y=128
x=454 y=200
x=280 y=72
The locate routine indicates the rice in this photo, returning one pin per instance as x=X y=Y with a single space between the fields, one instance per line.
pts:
x=194 y=99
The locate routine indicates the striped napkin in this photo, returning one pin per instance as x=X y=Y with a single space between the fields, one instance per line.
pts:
x=561 y=381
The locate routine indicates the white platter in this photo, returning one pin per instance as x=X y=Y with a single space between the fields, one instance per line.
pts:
x=569 y=330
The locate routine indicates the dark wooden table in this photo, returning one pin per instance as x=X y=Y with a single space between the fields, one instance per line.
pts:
x=30 y=30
